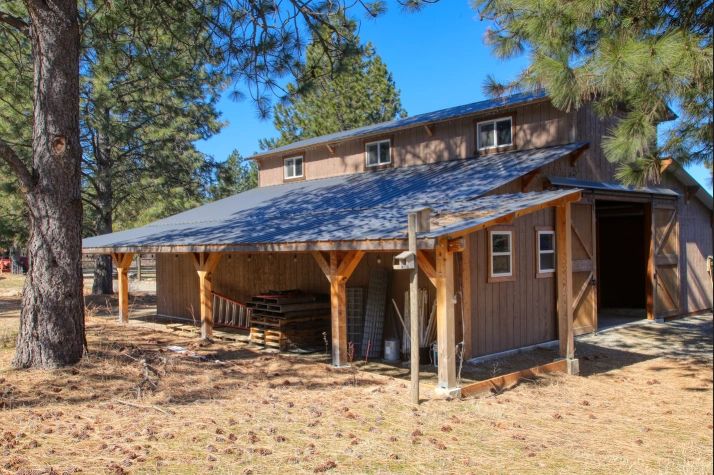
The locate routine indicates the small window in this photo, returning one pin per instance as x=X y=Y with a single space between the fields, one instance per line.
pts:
x=501 y=247
x=378 y=153
x=545 y=240
x=494 y=134
x=293 y=167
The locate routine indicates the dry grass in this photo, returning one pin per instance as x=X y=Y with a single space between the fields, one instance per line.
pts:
x=237 y=411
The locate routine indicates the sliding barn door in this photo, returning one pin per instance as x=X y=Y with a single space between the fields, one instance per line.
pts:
x=666 y=260
x=584 y=289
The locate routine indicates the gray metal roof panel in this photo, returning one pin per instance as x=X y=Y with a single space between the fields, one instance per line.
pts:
x=420 y=119
x=363 y=206
x=606 y=186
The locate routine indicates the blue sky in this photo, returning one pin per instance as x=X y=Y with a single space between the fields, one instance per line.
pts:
x=437 y=58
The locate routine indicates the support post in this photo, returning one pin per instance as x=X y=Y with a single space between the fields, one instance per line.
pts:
x=122 y=262
x=414 y=309
x=205 y=264
x=651 y=276
x=445 y=321
x=564 y=277
x=338 y=271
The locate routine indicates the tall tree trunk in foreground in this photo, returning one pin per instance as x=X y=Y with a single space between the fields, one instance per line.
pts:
x=52 y=317
x=103 y=279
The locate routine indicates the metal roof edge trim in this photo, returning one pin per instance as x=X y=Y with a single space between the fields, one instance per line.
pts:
x=583 y=184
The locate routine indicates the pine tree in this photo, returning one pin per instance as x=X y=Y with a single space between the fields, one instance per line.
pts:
x=145 y=100
x=236 y=175
x=336 y=93
x=633 y=60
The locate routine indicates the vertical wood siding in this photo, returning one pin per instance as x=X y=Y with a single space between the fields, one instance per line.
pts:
x=535 y=125
x=508 y=315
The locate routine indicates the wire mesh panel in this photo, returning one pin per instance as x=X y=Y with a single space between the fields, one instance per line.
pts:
x=374 y=314
x=355 y=317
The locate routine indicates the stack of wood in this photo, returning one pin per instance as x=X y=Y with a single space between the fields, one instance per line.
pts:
x=288 y=319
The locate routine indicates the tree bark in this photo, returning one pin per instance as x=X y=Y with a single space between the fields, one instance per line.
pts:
x=103 y=279
x=52 y=316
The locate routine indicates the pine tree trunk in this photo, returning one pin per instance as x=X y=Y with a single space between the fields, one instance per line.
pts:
x=103 y=279
x=52 y=316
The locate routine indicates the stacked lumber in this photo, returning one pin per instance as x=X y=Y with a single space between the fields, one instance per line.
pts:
x=288 y=319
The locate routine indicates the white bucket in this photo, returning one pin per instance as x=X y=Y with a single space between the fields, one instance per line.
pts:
x=391 y=349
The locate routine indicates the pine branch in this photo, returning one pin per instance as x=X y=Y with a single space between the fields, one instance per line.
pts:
x=21 y=171
x=17 y=23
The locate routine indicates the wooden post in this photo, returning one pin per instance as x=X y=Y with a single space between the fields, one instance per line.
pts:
x=122 y=261
x=651 y=276
x=414 y=309
x=467 y=298
x=564 y=279
x=205 y=264
x=445 y=324
x=138 y=267
x=338 y=271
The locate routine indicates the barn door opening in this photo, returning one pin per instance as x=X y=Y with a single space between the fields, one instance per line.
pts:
x=623 y=243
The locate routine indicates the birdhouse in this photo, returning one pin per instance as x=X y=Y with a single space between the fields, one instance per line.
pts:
x=405 y=261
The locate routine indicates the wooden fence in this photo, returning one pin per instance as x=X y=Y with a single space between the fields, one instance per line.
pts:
x=143 y=267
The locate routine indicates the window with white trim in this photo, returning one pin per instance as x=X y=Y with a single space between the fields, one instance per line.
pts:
x=378 y=153
x=293 y=167
x=493 y=134
x=501 y=247
x=546 y=251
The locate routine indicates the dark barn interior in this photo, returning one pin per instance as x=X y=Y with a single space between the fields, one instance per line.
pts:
x=622 y=262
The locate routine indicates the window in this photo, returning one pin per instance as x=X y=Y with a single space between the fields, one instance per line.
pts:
x=293 y=167
x=494 y=134
x=545 y=242
x=501 y=248
x=377 y=153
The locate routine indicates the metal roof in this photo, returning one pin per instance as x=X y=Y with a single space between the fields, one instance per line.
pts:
x=606 y=186
x=420 y=119
x=356 y=207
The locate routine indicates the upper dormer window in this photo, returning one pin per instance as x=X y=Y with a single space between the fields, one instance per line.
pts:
x=293 y=167
x=378 y=153
x=493 y=134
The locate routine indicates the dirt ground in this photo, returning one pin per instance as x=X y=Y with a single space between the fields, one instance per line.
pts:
x=135 y=405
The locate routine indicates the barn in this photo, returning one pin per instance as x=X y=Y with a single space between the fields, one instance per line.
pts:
x=518 y=246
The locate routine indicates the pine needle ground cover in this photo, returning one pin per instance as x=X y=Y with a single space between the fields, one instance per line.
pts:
x=135 y=406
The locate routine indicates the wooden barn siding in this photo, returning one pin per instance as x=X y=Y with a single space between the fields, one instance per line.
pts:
x=177 y=286
x=240 y=278
x=695 y=234
x=536 y=125
x=508 y=315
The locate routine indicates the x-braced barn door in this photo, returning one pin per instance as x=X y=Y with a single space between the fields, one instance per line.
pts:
x=584 y=282
x=665 y=228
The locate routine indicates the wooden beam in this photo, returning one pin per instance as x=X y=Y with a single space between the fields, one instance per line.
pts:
x=338 y=307
x=122 y=262
x=414 y=329
x=331 y=148
x=507 y=381
x=349 y=263
x=429 y=129
x=205 y=263
x=564 y=277
x=467 y=298
x=445 y=321
x=322 y=262
x=456 y=245
x=425 y=264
